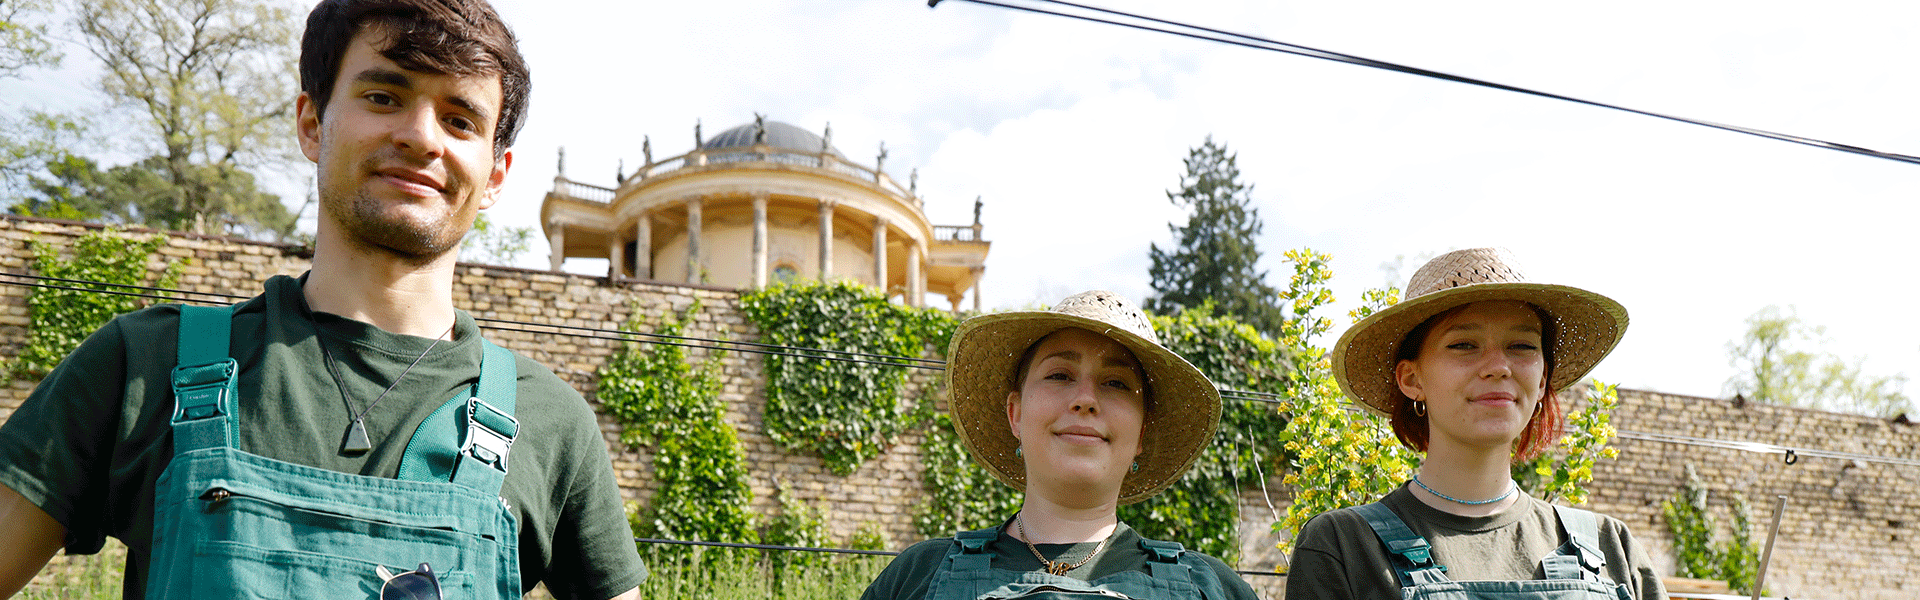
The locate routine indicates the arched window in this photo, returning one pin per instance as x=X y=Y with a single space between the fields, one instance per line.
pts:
x=785 y=273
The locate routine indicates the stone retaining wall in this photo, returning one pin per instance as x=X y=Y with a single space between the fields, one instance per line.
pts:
x=1849 y=531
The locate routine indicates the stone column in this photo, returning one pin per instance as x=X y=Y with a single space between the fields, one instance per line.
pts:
x=643 y=247
x=616 y=258
x=880 y=254
x=916 y=289
x=978 y=272
x=557 y=242
x=826 y=239
x=759 y=240
x=693 y=239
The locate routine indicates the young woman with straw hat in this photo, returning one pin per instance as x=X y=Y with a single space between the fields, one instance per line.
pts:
x=1083 y=410
x=1467 y=369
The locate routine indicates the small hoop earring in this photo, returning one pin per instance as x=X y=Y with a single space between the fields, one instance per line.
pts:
x=1419 y=408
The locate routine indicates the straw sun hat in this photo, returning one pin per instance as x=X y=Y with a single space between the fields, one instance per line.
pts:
x=1185 y=406
x=1584 y=326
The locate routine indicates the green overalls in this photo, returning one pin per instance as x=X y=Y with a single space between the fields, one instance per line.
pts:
x=229 y=524
x=1573 y=572
x=1173 y=574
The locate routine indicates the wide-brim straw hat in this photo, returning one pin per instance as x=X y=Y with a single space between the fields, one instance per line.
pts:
x=1183 y=412
x=1584 y=326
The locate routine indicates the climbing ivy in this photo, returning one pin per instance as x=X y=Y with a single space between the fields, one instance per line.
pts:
x=1696 y=554
x=961 y=494
x=845 y=412
x=798 y=524
x=699 y=466
x=62 y=318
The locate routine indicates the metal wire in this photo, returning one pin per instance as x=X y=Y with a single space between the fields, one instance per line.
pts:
x=1186 y=30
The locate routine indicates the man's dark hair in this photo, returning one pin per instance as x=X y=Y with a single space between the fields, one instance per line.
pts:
x=450 y=37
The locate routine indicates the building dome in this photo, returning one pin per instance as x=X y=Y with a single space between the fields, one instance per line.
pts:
x=779 y=135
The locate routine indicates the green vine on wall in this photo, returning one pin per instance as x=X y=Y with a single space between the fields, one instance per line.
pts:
x=845 y=412
x=699 y=466
x=62 y=318
x=1736 y=561
x=961 y=494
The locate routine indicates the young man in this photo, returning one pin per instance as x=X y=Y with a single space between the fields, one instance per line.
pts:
x=407 y=108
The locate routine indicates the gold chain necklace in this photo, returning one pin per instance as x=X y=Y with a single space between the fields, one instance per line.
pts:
x=1053 y=567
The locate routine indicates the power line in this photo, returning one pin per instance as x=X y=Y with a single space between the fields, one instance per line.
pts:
x=1792 y=453
x=1197 y=32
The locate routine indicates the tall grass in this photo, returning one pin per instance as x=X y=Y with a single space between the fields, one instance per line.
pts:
x=743 y=575
x=701 y=573
x=87 y=577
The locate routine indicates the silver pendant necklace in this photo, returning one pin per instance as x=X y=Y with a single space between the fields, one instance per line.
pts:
x=356 y=442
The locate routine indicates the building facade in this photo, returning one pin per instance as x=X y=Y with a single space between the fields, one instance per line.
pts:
x=760 y=203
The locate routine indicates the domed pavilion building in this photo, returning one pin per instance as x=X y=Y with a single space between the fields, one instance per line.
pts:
x=766 y=201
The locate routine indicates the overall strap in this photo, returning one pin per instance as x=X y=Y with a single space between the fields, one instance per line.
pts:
x=1581 y=555
x=1411 y=555
x=488 y=424
x=969 y=552
x=474 y=430
x=205 y=381
x=1163 y=560
x=1170 y=560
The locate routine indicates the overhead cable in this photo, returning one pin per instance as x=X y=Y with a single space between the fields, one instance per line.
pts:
x=1133 y=21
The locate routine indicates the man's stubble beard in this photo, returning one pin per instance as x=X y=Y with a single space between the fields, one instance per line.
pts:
x=371 y=223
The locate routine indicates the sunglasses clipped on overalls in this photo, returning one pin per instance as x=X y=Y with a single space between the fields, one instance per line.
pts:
x=965 y=573
x=1573 y=572
x=231 y=524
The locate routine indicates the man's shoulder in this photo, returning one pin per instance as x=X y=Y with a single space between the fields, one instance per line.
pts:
x=541 y=382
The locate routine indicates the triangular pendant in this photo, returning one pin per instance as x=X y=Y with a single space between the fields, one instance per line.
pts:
x=356 y=441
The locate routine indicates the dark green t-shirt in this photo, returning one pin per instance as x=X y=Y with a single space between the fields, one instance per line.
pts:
x=908 y=576
x=88 y=445
x=1338 y=557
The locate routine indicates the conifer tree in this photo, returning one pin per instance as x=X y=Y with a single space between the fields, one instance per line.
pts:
x=1214 y=257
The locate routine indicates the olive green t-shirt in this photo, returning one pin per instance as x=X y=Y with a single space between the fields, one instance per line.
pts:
x=908 y=576
x=1338 y=557
x=90 y=442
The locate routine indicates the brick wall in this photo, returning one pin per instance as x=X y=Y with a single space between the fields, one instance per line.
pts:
x=1849 y=531
x=1851 y=528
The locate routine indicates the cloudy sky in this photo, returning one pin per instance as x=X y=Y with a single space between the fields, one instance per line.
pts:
x=1072 y=133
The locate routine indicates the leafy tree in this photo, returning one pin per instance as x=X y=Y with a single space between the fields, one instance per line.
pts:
x=1215 y=258
x=24 y=43
x=211 y=78
x=1774 y=367
x=32 y=142
x=142 y=193
x=495 y=244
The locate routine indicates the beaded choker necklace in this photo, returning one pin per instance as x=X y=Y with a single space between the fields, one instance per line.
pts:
x=1511 y=488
